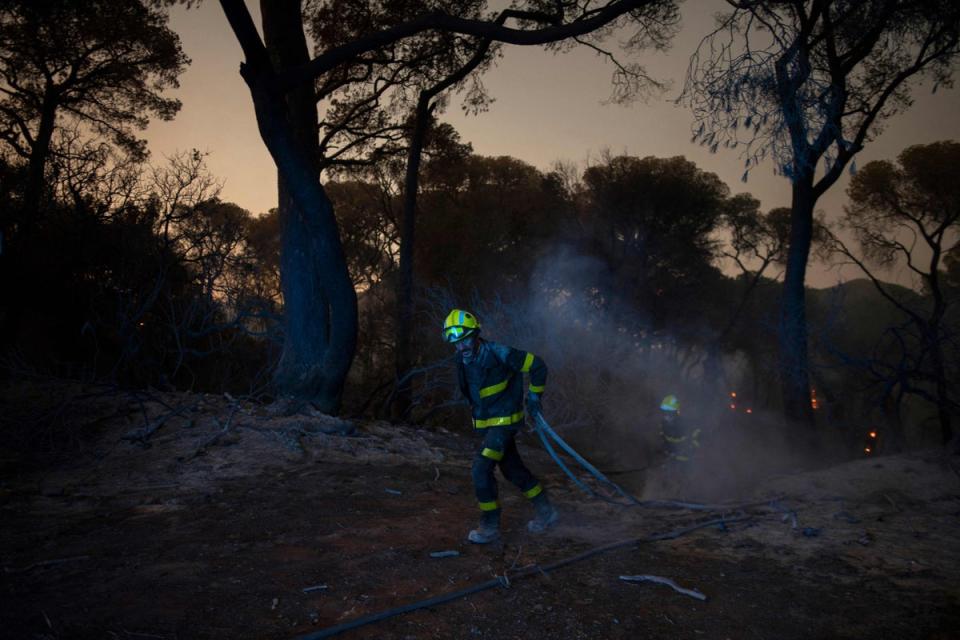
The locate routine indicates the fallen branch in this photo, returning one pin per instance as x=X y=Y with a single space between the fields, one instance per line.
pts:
x=319 y=587
x=143 y=434
x=693 y=593
x=212 y=440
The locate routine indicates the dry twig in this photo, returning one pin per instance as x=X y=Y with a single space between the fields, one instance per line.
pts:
x=693 y=593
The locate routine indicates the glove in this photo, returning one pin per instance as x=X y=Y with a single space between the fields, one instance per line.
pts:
x=534 y=404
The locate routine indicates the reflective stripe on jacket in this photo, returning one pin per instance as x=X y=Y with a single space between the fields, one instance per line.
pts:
x=680 y=442
x=493 y=383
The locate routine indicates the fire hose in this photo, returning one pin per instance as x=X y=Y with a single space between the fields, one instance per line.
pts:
x=546 y=432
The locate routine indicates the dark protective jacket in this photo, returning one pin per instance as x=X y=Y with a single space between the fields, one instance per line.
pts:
x=680 y=441
x=493 y=383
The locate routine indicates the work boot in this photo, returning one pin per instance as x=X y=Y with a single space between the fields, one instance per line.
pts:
x=546 y=515
x=488 y=530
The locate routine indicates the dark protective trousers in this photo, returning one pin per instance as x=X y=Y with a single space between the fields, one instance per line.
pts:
x=499 y=448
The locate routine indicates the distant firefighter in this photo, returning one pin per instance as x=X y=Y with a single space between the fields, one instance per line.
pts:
x=680 y=443
x=491 y=379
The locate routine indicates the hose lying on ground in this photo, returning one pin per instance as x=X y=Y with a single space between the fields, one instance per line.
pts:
x=505 y=581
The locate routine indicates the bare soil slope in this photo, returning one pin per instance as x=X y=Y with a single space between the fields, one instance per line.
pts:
x=188 y=516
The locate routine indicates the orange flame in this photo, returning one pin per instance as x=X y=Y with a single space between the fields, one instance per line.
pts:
x=873 y=434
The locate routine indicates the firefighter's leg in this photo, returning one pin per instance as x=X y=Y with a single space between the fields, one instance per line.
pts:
x=485 y=486
x=516 y=472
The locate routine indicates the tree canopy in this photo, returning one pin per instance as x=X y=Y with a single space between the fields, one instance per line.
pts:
x=103 y=64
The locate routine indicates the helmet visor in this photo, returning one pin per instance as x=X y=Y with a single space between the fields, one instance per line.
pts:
x=455 y=334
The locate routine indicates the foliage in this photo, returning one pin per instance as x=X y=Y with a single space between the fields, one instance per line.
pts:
x=909 y=214
x=367 y=102
x=798 y=81
x=159 y=287
x=894 y=207
x=103 y=64
x=653 y=221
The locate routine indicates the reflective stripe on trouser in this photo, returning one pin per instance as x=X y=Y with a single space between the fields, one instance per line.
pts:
x=499 y=441
x=498 y=421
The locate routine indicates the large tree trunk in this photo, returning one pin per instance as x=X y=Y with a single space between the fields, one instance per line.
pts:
x=404 y=356
x=320 y=304
x=16 y=250
x=794 y=372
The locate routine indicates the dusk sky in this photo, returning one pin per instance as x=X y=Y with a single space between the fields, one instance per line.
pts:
x=548 y=107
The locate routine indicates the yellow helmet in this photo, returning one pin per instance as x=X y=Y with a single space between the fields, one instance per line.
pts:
x=670 y=403
x=459 y=324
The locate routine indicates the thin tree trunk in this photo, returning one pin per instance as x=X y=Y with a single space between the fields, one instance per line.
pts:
x=404 y=357
x=36 y=170
x=940 y=374
x=794 y=371
x=936 y=341
x=893 y=412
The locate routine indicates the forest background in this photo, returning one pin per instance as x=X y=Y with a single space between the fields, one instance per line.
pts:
x=633 y=274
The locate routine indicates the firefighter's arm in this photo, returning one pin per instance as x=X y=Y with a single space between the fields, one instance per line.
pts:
x=526 y=362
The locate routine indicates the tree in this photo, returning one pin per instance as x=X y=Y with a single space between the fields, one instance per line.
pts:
x=892 y=210
x=104 y=64
x=808 y=83
x=487 y=223
x=97 y=68
x=652 y=221
x=321 y=305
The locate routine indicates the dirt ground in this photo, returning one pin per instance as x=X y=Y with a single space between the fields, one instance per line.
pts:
x=181 y=516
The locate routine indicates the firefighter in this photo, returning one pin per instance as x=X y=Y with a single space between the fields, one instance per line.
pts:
x=491 y=379
x=680 y=443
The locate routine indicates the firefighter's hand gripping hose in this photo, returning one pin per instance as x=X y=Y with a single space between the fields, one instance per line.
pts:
x=545 y=431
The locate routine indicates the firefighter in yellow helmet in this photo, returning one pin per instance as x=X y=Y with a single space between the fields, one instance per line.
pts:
x=680 y=443
x=491 y=379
